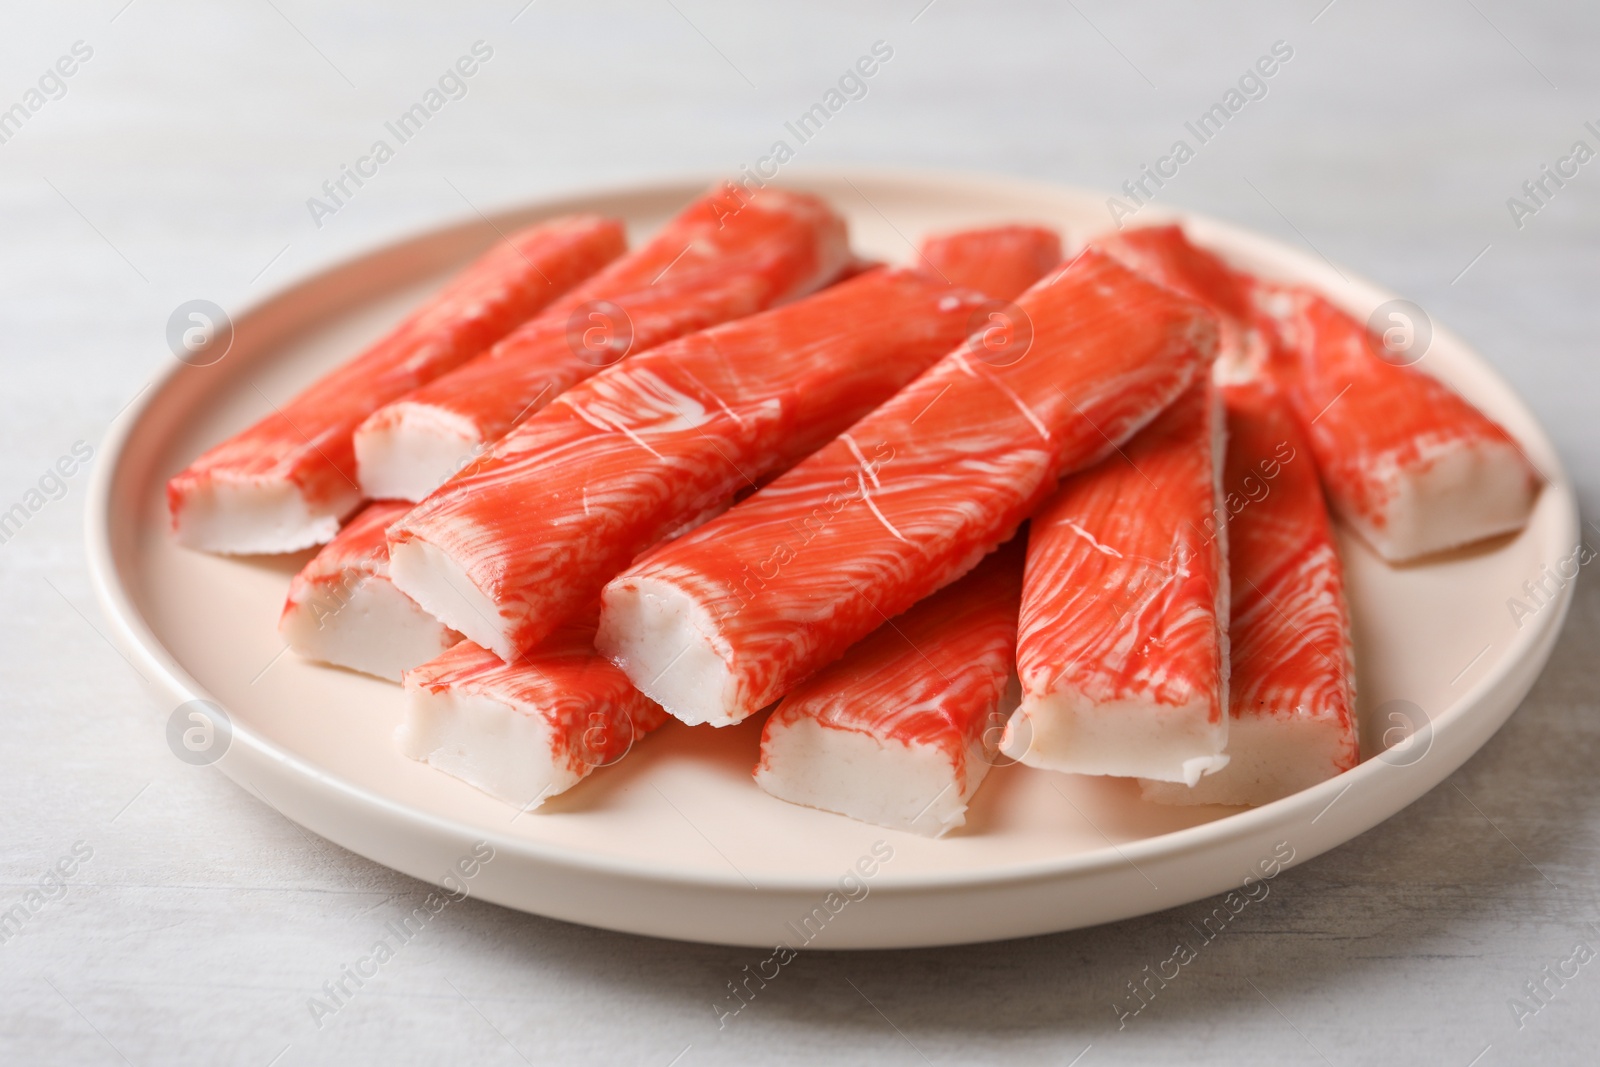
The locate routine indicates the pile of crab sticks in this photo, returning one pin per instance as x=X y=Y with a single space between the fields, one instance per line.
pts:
x=993 y=505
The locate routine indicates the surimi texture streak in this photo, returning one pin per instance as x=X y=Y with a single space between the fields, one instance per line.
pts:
x=342 y=608
x=1407 y=462
x=1122 y=644
x=530 y=730
x=733 y=615
x=708 y=265
x=532 y=531
x=285 y=483
x=902 y=730
x=1292 y=689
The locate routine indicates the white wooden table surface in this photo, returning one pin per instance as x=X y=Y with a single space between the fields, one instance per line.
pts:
x=176 y=161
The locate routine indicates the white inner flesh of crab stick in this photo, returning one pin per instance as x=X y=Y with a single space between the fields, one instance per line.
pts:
x=343 y=609
x=376 y=630
x=412 y=451
x=246 y=514
x=903 y=729
x=527 y=731
x=490 y=744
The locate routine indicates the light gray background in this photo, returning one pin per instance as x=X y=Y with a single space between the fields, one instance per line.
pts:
x=177 y=165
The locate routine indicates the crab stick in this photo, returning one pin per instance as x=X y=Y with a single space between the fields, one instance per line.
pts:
x=706 y=266
x=286 y=483
x=1406 y=462
x=1291 y=721
x=902 y=730
x=1000 y=261
x=730 y=617
x=1122 y=645
x=664 y=440
x=342 y=608
x=527 y=731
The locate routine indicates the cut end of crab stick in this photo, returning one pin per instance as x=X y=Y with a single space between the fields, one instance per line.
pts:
x=444 y=589
x=405 y=451
x=342 y=609
x=244 y=514
x=1123 y=652
x=647 y=623
x=1072 y=731
x=525 y=732
x=903 y=729
x=408 y=449
x=490 y=744
x=284 y=483
x=1409 y=464
x=902 y=785
x=999 y=261
x=725 y=256
x=1292 y=690
x=367 y=625
x=1455 y=493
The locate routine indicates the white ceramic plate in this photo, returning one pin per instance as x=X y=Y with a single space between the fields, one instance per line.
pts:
x=676 y=840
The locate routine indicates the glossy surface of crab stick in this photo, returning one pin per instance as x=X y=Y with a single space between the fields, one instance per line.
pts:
x=706 y=266
x=527 y=731
x=1122 y=645
x=285 y=483
x=733 y=615
x=530 y=533
x=998 y=261
x=1408 y=463
x=902 y=730
x=1291 y=693
x=342 y=608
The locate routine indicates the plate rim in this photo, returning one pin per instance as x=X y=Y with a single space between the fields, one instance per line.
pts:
x=1527 y=654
